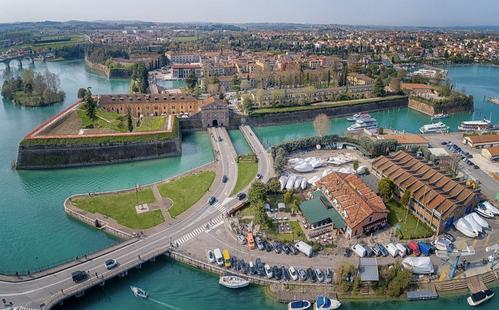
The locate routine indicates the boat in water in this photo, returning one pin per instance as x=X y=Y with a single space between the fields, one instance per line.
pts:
x=494 y=100
x=323 y=302
x=357 y=116
x=434 y=128
x=365 y=123
x=299 y=305
x=482 y=125
x=439 y=116
x=138 y=292
x=480 y=297
x=233 y=282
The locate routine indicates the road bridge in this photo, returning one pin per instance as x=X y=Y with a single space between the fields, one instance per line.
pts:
x=44 y=290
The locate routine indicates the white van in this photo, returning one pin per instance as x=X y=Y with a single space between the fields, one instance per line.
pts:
x=304 y=248
x=359 y=250
x=218 y=257
x=392 y=249
x=402 y=249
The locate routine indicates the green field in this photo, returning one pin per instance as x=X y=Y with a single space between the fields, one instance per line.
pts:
x=152 y=123
x=325 y=105
x=121 y=207
x=186 y=191
x=410 y=229
x=111 y=120
x=246 y=172
x=297 y=233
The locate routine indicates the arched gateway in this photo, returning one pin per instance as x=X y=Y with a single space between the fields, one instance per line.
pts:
x=215 y=114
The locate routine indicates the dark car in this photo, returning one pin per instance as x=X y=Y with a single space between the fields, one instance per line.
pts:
x=312 y=275
x=285 y=273
x=268 y=246
x=348 y=252
x=277 y=248
x=382 y=249
x=212 y=200
x=258 y=176
x=286 y=249
x=293 y=249
x=225 y=179
x=79 y=276
x=476 y=167
x=276 y=271
x=444 y=143
x=241 y=196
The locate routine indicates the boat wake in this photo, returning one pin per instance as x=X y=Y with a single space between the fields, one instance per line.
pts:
x=163 y=304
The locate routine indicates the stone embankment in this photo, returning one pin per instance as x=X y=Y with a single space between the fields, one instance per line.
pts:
x=431 y=110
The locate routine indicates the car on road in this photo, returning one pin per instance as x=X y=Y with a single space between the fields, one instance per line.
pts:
x=79 y=276
x=241 y=196
x=111 y=263
x=443 y=143
x=258 y=176
x=212 y=200
x=225 y=179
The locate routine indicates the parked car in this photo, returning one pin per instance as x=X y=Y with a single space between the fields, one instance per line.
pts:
x=319 y=274
x=312 y=275
x=268 y=271
x=293 y=249
x=348 y=252
x=376 y=250
x=329 y=276
x=302 y=274
x=277 y=272
x=413 y=247
x=383 y=250
x=277 y=247
x=258 y=176
x=242 y=239
x=285 y=248
x=285 y=273
x=268 y=246
x=293 y=273
x=259 y=243
x=111 y=263
x=211 y=256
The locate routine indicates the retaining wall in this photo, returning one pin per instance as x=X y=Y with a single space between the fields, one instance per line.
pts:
x=431 y=110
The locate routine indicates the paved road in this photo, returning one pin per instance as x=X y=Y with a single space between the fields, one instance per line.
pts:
x=37 y=291
x=265 y=165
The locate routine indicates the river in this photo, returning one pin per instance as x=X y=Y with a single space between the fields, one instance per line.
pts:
x=36 y=232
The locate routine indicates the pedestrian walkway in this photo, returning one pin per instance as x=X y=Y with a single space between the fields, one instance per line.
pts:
x=205 y=228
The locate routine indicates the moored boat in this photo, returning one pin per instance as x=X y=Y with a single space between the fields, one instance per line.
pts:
x=233 y=282
x=299 y=305
x=357 y=116
x=138 y=292
x=323 y=302
x=364 y=123
x=434 y=128
x=482 y=125
x=480 y=297
x=440 y=116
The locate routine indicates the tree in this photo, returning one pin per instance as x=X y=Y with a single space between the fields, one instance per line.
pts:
x=342 y=81
x=246 y=104
x=191 y=81
x=395 y=85
x=386 y=188
x=236 y=84
x=404 y=201
x=259 y=94
x=379 y=88
x=288 y=197
x=257 y=192
x=322 y=124
x=90 y=105
x=81 y=93
x=129 y=119
x=328 y=78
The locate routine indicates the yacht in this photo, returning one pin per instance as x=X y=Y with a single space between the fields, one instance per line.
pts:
x=465 y=228
x=479 y=297
x=138 y=292
x=361 y=115
x=299 y=305
x=434 y=128
x=361 y=124
x=440 y=116
x=233 y=282
x=322 y=302
x=484 y=124
x=484 y=212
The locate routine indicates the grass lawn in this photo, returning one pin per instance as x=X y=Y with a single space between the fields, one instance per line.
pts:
x=246 y=172
x=152 y=123
x=121 y=207
x=104 y=119
x=185 y=39
x=297 y=233
x=408 y=229
x=186 y=191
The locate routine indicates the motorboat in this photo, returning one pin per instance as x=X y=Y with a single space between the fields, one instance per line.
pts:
x=361 y=124
x=304 y=167
x=294 y=161
x=291 y=182
x=477 y=227
x=283 y=180
x=138 y=292
x=480 y=297
x=323 y=302
x=297 y=183
x=484 y=124
x=303 y=184
x=489 y=207
x=434 y=128
x=357 y=116
x=299 y=305
x=418 y=265
x=440 y=116
x=483 y=211
x=443 y=244
x=465 y=228
x=480 y=220
x=313 y=179
x=233 y=282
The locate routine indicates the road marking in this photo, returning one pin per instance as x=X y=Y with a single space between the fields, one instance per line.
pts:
x=204 y=228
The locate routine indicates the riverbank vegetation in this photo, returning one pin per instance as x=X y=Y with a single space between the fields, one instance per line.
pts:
x=185 y=191
x=121 y=207
x=33 y=89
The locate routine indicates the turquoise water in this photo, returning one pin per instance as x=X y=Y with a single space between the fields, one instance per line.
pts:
x=240 y=144
x=171 y=84
x=35 y=232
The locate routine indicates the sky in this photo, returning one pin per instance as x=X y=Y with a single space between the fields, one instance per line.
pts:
x=352 y=12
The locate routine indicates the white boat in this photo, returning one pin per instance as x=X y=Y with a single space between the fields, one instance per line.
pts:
x=297 y=183
x=291 y=182
x=299 y=305
x=283 y=180
x=294 y=161
x=477 y=298
x=303 y=184
x=483 y=211
x=476 y=227
x=304 y=167
x=465 y=228
x=314 y=179
x=357 y=116
x=443 y=244
x=484 y=124
x=480 y=220
x=418 y=265
x=233 y=282
x=361 y=124
x=434 y=128
x=440 y=116
x=323 y=302
x=489 y=207
x=138 y=292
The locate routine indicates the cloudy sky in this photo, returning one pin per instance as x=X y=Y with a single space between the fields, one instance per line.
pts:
x=372 y=12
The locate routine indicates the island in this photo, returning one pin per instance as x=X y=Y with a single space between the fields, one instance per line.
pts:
x=33 y=89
